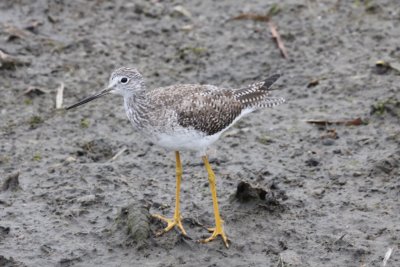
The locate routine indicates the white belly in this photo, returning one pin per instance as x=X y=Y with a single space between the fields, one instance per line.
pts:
x=189 y=141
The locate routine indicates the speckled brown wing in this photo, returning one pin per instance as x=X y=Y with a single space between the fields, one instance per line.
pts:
x=208 y=109
x=205 y=108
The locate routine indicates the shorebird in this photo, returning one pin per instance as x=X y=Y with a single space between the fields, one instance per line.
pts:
x=186 y=117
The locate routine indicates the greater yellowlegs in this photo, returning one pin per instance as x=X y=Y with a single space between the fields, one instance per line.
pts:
x=186 y=117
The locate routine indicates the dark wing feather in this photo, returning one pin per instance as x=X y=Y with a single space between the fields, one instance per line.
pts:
x=255 y=94
x=270 y=81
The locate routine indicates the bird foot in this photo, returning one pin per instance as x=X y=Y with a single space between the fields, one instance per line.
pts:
x=171 y=223
x=216 y=231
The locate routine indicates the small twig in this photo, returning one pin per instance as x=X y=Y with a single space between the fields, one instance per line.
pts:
x=251 y=16
x=340 y=238
x=387 y=256
x=59 y=96
x=354 y=122
x=277 y=38
x=266 y=18
x=119 y=153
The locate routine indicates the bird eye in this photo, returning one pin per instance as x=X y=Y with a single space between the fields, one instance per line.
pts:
x=124 y=80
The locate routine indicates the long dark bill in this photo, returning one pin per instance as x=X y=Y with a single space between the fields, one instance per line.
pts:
x=90 y=98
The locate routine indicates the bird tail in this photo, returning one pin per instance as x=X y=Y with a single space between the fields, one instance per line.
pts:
x=257 y=95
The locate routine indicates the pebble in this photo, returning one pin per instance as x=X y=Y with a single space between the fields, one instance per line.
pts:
x=312 y=162
x=328 y=142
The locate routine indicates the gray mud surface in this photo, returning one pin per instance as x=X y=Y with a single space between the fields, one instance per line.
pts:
x=331 y=191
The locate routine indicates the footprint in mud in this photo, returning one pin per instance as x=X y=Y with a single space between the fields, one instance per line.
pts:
x=132 y=226
x=387 y=165
x=11 y=183
x=135 y=227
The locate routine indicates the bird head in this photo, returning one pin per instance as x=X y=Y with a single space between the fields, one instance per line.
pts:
x=123 y=81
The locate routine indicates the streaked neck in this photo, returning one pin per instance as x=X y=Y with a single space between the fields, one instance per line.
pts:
x=136 y=108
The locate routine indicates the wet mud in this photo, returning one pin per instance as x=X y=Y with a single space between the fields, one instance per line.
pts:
x=78 y=188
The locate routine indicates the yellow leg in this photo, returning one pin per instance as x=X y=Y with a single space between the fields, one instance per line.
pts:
x=177 y=219
x=218 y=229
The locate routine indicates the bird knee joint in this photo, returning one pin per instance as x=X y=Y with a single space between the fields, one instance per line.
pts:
x=211 y=178
x=179 y=172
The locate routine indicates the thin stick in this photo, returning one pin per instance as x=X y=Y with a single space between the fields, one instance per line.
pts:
x=119 y=153
x=387 y=256
x=277 y=38
x=354 y=122
x=59 y=96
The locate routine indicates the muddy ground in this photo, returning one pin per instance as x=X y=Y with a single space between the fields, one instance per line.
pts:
x=332 y=191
